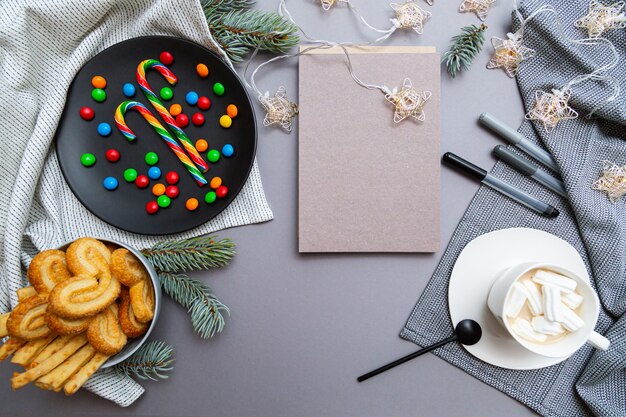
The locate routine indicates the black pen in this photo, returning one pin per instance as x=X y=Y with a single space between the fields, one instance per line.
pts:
x=501 y=186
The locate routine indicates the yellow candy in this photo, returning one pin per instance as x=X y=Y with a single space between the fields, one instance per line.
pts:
x=226 y=121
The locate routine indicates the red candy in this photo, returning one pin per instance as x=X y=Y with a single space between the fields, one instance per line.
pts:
x=142 y=181
x=182 y=120
x=204 y=103
x=197 y=119
x=152 y=207
x=172 y=177
x=112 y=155
x=171 y=191
x=87 y=113
x=166 y=58
x=221 y=191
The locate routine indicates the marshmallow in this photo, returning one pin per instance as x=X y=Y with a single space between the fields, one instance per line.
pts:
x=570 y=320
x=543 y=326
x=534 y=297
x=552 y=306
x=543 y=277
x=524 y=329
x=516 y=300
x=572 y=300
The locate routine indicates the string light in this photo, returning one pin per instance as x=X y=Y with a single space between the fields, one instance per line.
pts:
x=408 y=102
x=410 y=16
x=601 y=18
x=480 y=7
x=551 y=108
x=612 y=181
x=279 y=109
x=508 y=54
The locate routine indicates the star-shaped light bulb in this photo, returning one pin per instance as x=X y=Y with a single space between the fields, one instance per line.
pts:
x=327 y=4
x=279 y=109
x=480 y=7
x=551 y=108
x=612 y=181
x=410 y=16
x=602 y=18
x=408 y=102
x=508 y=54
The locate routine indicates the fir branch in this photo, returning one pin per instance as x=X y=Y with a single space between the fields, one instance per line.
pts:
x=223 y=6
x=193 y=254
x=203 y=306
x=464 y=48
x=152 y=361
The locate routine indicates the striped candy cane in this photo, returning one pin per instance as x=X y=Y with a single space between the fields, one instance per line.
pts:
x=158 y=127
x=160 y=108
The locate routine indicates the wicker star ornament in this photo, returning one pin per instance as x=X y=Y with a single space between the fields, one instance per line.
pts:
x=601 y=18
x=279 y=109
x=612 y=181
x=508 y=54
x=551 y=108
x=480 y=7
x=410 y=16
x=408 y=102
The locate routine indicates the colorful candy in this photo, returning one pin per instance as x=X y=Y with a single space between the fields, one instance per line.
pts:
x=130 y=175
x=88 y=159
x=215 y=182
x=112 y=155
x=151 y=158
x=191 y=98
x=154 y=173
x=172 y=177
x=158 y=189
x=210 y=197
x=226 y=121
x=98 y=95
x=152 y=207
x=156 y=103
x=129 y=90
x=222 y=191
x=197 y=119
x=98 y=82
x=164 y=201
x=104 y=129
x=142 y=181
x=202 y=70
x=204 y=103
x=182 y=120
x=228 y=150
x=176 y=109
x=87 y=113
x=218 y=89
x=172 y=191
x=110 y=183
x=202 y=145
x=158 y=127
x=166 y=58
x=232 y=111
x=166 y=93
x=191 y=204
x=213 y=156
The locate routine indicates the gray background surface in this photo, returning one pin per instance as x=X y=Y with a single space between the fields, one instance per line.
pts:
x=303 y=327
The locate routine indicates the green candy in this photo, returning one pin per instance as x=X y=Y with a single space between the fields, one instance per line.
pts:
x=88 y=159
x=164 y=201
x=152 y=158
x=218 y=89
x=130 y=175
x=213 y=156
x=166 y=93
x=210 y=197
x=98 y=95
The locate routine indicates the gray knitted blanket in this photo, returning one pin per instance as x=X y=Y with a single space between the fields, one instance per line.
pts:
x=590 y=382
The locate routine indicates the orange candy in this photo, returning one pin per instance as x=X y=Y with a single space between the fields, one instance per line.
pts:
x=176 y=109
x=202 y=70
x=191 y=204
x=158 y=189
x=98 y=82
x=202 y=145
x=232 y=111
x=215 y=182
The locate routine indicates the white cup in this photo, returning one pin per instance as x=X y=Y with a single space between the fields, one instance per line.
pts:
x=571 y=342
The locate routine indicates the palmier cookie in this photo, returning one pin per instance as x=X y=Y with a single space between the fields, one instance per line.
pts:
x=26 y=321
x=130 y=326
x=142 y=300
x=105 y=333
x=84 y=295
x=47 y=269
x=127 y=268
x=65 y=326
x=87 y=256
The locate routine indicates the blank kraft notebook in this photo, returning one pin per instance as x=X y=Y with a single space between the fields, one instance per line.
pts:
x=367 y=184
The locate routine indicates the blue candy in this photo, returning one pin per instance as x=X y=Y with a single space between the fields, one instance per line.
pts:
x=154 y=173
x=128 y=90
x=104 y=129
x=228 y=150
x=110 y=183
x=191 y=98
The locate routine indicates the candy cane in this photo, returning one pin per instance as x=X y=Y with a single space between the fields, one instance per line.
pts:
x=165 y=114
x=158 y=127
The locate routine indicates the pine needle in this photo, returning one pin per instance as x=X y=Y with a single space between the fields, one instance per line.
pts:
x=193 y=254
x=464 y=48
x=203 y=306
x=152 y=361
x=223 y=6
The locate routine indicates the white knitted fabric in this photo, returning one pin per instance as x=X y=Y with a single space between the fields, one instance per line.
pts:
x=42 y=47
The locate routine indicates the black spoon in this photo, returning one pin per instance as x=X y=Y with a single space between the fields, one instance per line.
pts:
x=466 y=332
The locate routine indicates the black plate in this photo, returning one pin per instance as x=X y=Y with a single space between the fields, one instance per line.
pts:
x=125 y=207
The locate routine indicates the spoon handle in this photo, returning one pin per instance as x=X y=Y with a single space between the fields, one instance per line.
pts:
x=405 y=359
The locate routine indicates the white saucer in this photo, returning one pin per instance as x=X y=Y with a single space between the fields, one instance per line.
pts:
x=480 y=263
